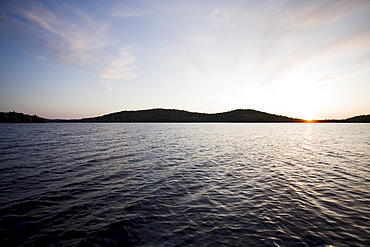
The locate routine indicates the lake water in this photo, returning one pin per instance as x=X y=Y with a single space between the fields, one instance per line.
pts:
x=103 y=184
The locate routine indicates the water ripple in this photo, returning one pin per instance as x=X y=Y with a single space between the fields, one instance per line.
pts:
x=184 y=185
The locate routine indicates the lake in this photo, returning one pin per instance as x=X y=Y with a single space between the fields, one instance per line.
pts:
x=168 y=184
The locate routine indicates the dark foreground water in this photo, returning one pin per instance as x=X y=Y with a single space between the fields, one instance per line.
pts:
x=184 y=184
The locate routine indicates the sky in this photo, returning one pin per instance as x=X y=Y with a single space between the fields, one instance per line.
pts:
x=65 y=59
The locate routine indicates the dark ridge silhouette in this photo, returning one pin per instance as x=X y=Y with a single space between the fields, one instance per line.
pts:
x=181 y=116
x=15 y=117
x=359 y=119
x=160 y=115
x=356 y=119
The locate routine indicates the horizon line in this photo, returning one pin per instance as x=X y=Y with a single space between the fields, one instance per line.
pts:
x=161 y=108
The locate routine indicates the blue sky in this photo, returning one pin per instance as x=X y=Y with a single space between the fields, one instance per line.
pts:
x=74 y=59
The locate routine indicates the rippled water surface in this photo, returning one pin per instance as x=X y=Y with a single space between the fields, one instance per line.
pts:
x=184 y=184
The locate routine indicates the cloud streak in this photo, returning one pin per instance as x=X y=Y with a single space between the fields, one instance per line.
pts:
x=343 y=76
x=311 y=14
x=70 y=41
x=78 y=40
x=120 y=67
x=126 y=12
x=271 y=40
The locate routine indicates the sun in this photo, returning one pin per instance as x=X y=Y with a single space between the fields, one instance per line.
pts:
x=308 y=118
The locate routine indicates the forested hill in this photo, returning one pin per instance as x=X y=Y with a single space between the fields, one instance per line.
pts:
x=15 y=117
x=356 y=119
x=167 y=115
x=359 y=119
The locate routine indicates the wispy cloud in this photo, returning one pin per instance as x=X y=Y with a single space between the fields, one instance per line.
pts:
x=310 y=14
x=120 y=67
x=71 y=36
x=108 y=84
x=42 y=58
x=67 y=40
x=345 y=53
x=343 y=76
x=219 y=15
x=127 y=12
x=272 y=42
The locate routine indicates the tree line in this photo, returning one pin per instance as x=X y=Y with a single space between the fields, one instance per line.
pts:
x=16 y=117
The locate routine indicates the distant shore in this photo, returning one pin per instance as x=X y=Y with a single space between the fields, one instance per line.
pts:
x=16 y=117
x=180 y=116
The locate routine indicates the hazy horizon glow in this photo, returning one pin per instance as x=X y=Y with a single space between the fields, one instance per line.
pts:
x=69 y=59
